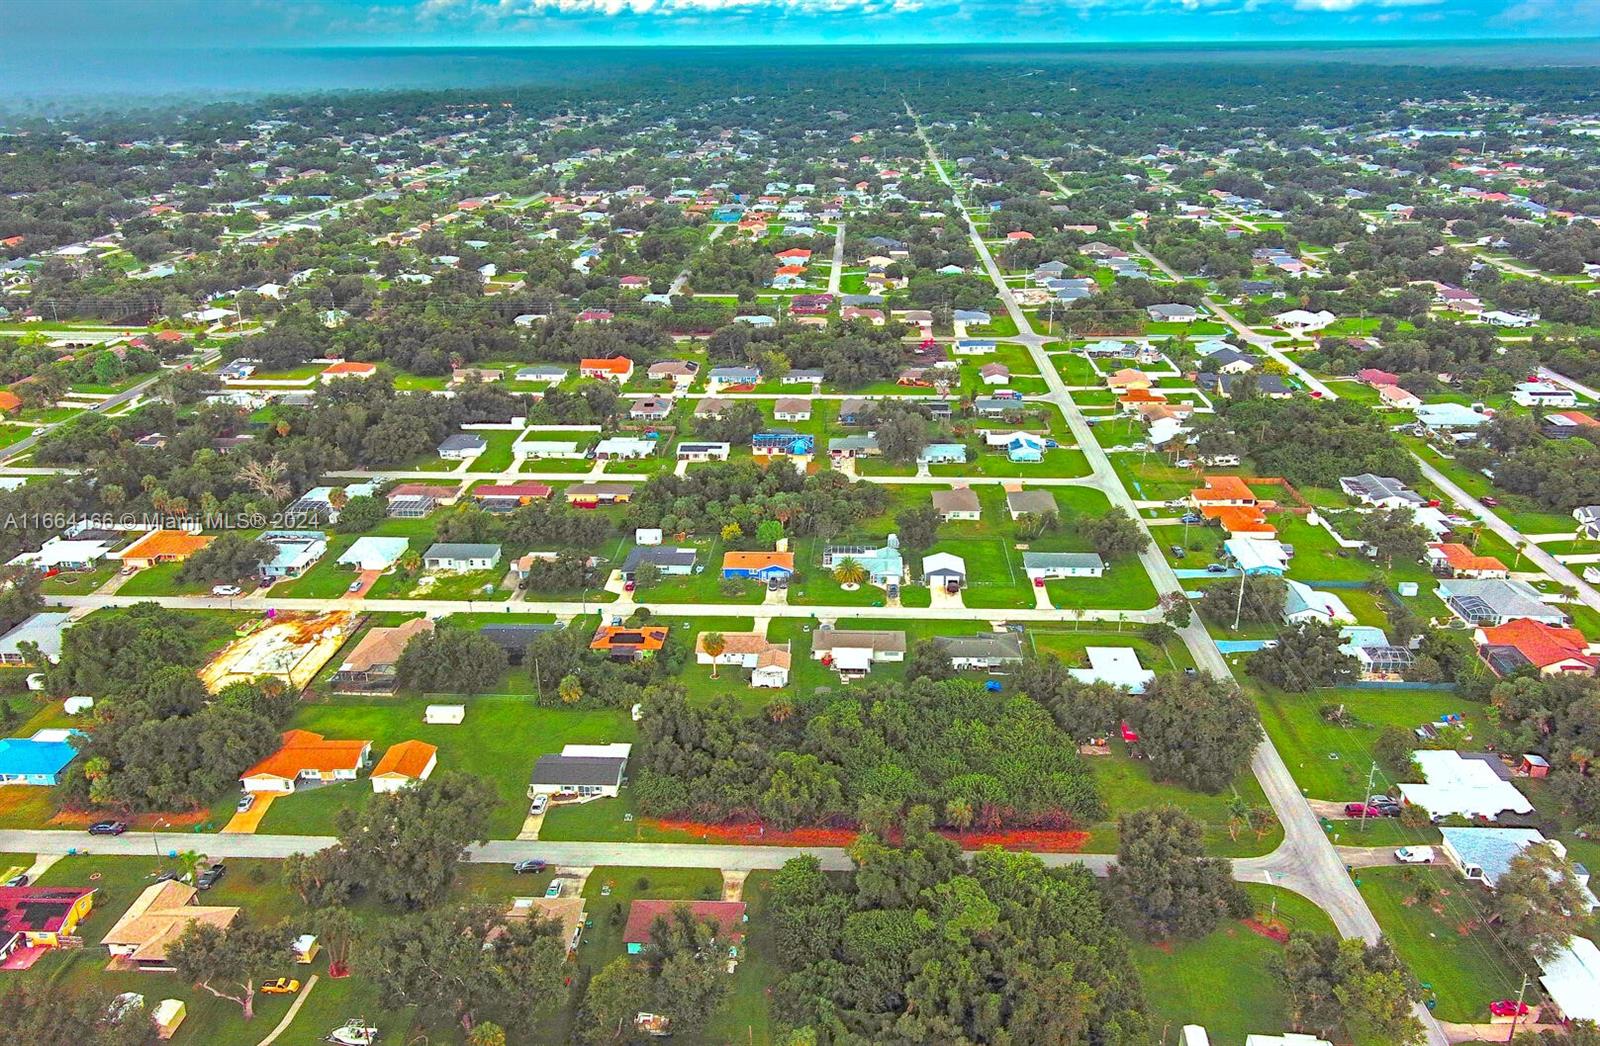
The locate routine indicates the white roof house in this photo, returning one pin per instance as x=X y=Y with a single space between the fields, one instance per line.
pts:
x=63 y=553
x=1117 y=665
x=1457 y=785
x=1572 y=980
x=942 y=566
x=1301 y=602
x=374 y=553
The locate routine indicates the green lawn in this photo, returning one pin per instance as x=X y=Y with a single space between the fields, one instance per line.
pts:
x=1126 y=786
x=1444 y=941
x=1225 y=981
x=499 y=740
x=497 y=456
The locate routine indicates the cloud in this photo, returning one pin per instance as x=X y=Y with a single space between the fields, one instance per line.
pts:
x=502 y=10
x=1351 y=5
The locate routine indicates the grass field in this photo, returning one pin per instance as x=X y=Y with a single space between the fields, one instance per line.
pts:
x=499 y=740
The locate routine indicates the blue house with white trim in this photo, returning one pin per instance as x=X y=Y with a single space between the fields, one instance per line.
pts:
x=35 y=761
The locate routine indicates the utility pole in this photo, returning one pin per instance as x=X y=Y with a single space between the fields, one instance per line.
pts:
x=1238 y=611
x=1516 y=1015
x=1366 y=798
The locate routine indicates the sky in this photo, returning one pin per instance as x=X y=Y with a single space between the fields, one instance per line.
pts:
x=165 y=25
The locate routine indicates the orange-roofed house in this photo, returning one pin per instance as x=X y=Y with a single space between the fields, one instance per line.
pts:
x=790 y=270
x=618 y=369
x=163 y=546
x=1241 y=521
x=1521 y=643
x=1452 y=559
x=1133 y=399
x=1222 y=490
x=1398 y=398
x=624 y=643
x=762 y=566
x=794 y=256
x=347 y=369
x=404 y=765
x=8 y=401
x=306 y=756
x=1128 y=378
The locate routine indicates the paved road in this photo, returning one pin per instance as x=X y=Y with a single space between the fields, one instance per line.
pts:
x=1561 y=379
x=1261 y=341
x=667 y=611
x=837 y=272
x=1306 y=862
x=1544 y=560
x=22 y=446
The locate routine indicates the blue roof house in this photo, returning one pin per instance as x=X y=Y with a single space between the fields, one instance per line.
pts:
x=29 y=761
x=1025 y=447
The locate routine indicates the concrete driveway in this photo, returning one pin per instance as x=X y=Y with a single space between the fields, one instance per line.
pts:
x=245 y=822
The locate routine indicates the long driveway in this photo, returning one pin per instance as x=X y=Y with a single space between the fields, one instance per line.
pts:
x=1306 y=861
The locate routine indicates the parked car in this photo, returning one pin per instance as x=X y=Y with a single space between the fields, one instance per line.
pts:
x=1361 y=810
x=539 y=803
x=210 y=877
x=355 y=586
x=280 y=986
x=1192 y=518
x=245 y=802
x=554 y=889
x=1038 y=582
x=1508 y=1008
x=1387 y=803
x=17 y=880
x=1489 y=501
x=108 y=828
x=225 y=590
x=533 y=867
x=1414 y=855
x=1178 y=551
x=1216 y=568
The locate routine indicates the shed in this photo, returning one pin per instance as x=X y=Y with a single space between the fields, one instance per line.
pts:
x=168 y=1014
x=444 y=714
x=77 y=705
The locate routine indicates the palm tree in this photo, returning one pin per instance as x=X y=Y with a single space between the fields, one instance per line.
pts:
x=779 y=709
x=189 y=863
x=411 y=562
x=958 y=812
x=849 y=571
x=570 y=690
x=1262 y=820
x=1238 y=816
x=713 y=644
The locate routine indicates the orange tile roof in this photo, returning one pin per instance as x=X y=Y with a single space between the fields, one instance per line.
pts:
x=1127 y=377
x=304 y=750
x=736 y=643
x=1239 y=519
x=621 y=637
x=406 y=759
x=757 y=560
x=1540 y=643
x=1142 y=396
x=1577 y=417
x=9 y=401
x=349 y=367
x=789 y=270
x=1224 y=488
x=166 y=543
x=613 y=365
x=1460 y=557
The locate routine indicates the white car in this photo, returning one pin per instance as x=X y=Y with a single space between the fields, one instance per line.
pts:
x=1414 y=855
x=539 y=803
x=225 y=590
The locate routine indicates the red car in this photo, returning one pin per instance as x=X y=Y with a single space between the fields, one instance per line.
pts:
x=1361 y=810
x=1491 y=502
x=1508 y=1008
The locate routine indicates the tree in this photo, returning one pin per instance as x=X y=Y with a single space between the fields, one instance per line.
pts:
x=469 y=964
x=849 y=571
x=486 y=1034
x=228 y=961
x=1113 y=534
x=928 y=660
x=189 y=864
x=450 y=660
x=570 y=689
x=1540 y=902
x=769 y=532
x=1196 y=730
x=713 y=643
x=1162 y=881
x=613 y=998
x=1364 y=990
x=361 y=514
x=1262 y=600
x=918 y=527
x=45 y=1013
x=1306 y=656
x=230 y=559
x=405 y=846
x=336 y=929
x=1395 y=535
x=646 y=575
x=731 y=532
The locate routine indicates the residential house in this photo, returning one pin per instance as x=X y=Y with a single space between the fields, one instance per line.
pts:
x=1380 y=491
x=1172 y=313
x=1269 y=385
x=1396 y=398
x=804 y=376
x=1543 y=394
x=513 y=640
x=1450 y=419
x=581 y=771
x=995 y=374
x=346 y=369
x=405 y=765
x=680 y=372
x=143 y=938
x=728 y=916
x=1484 y=855
x=418 y=500
x=64 y=554
x=35 y=919
x=1117 y=666
x=1256 y=558
x=306 y=756
x=790 y=409
x=651 y=408
x=505 y=497
x=36 y=760
x=626 y=643
x=370 y=667
x=853 y=652
x=884 y=566
x=294 y=552
x=1451 y=559
x=1571 y=982
x=1301 y=602
x=460 y=557
x=762 y=566
x=768 y=663
x=1128 y=379
x=624 y=448
x=943 y=454
x=1549 y=650
x=1299 y=322
x=605 y=492
x=670 y=562
x=981 y=652
x=615 y=368
x=463 y=446
x=1031 y=503
x=1495 y=601
x=1569 y=423
x=726 y=377
x=43 y=631
x=1053 y=566
x=957 y=503
x=1376 y=378
x=541 y=374
x=1474 y=786
x=855 y=411
x=701 y=452
x=162 y=546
